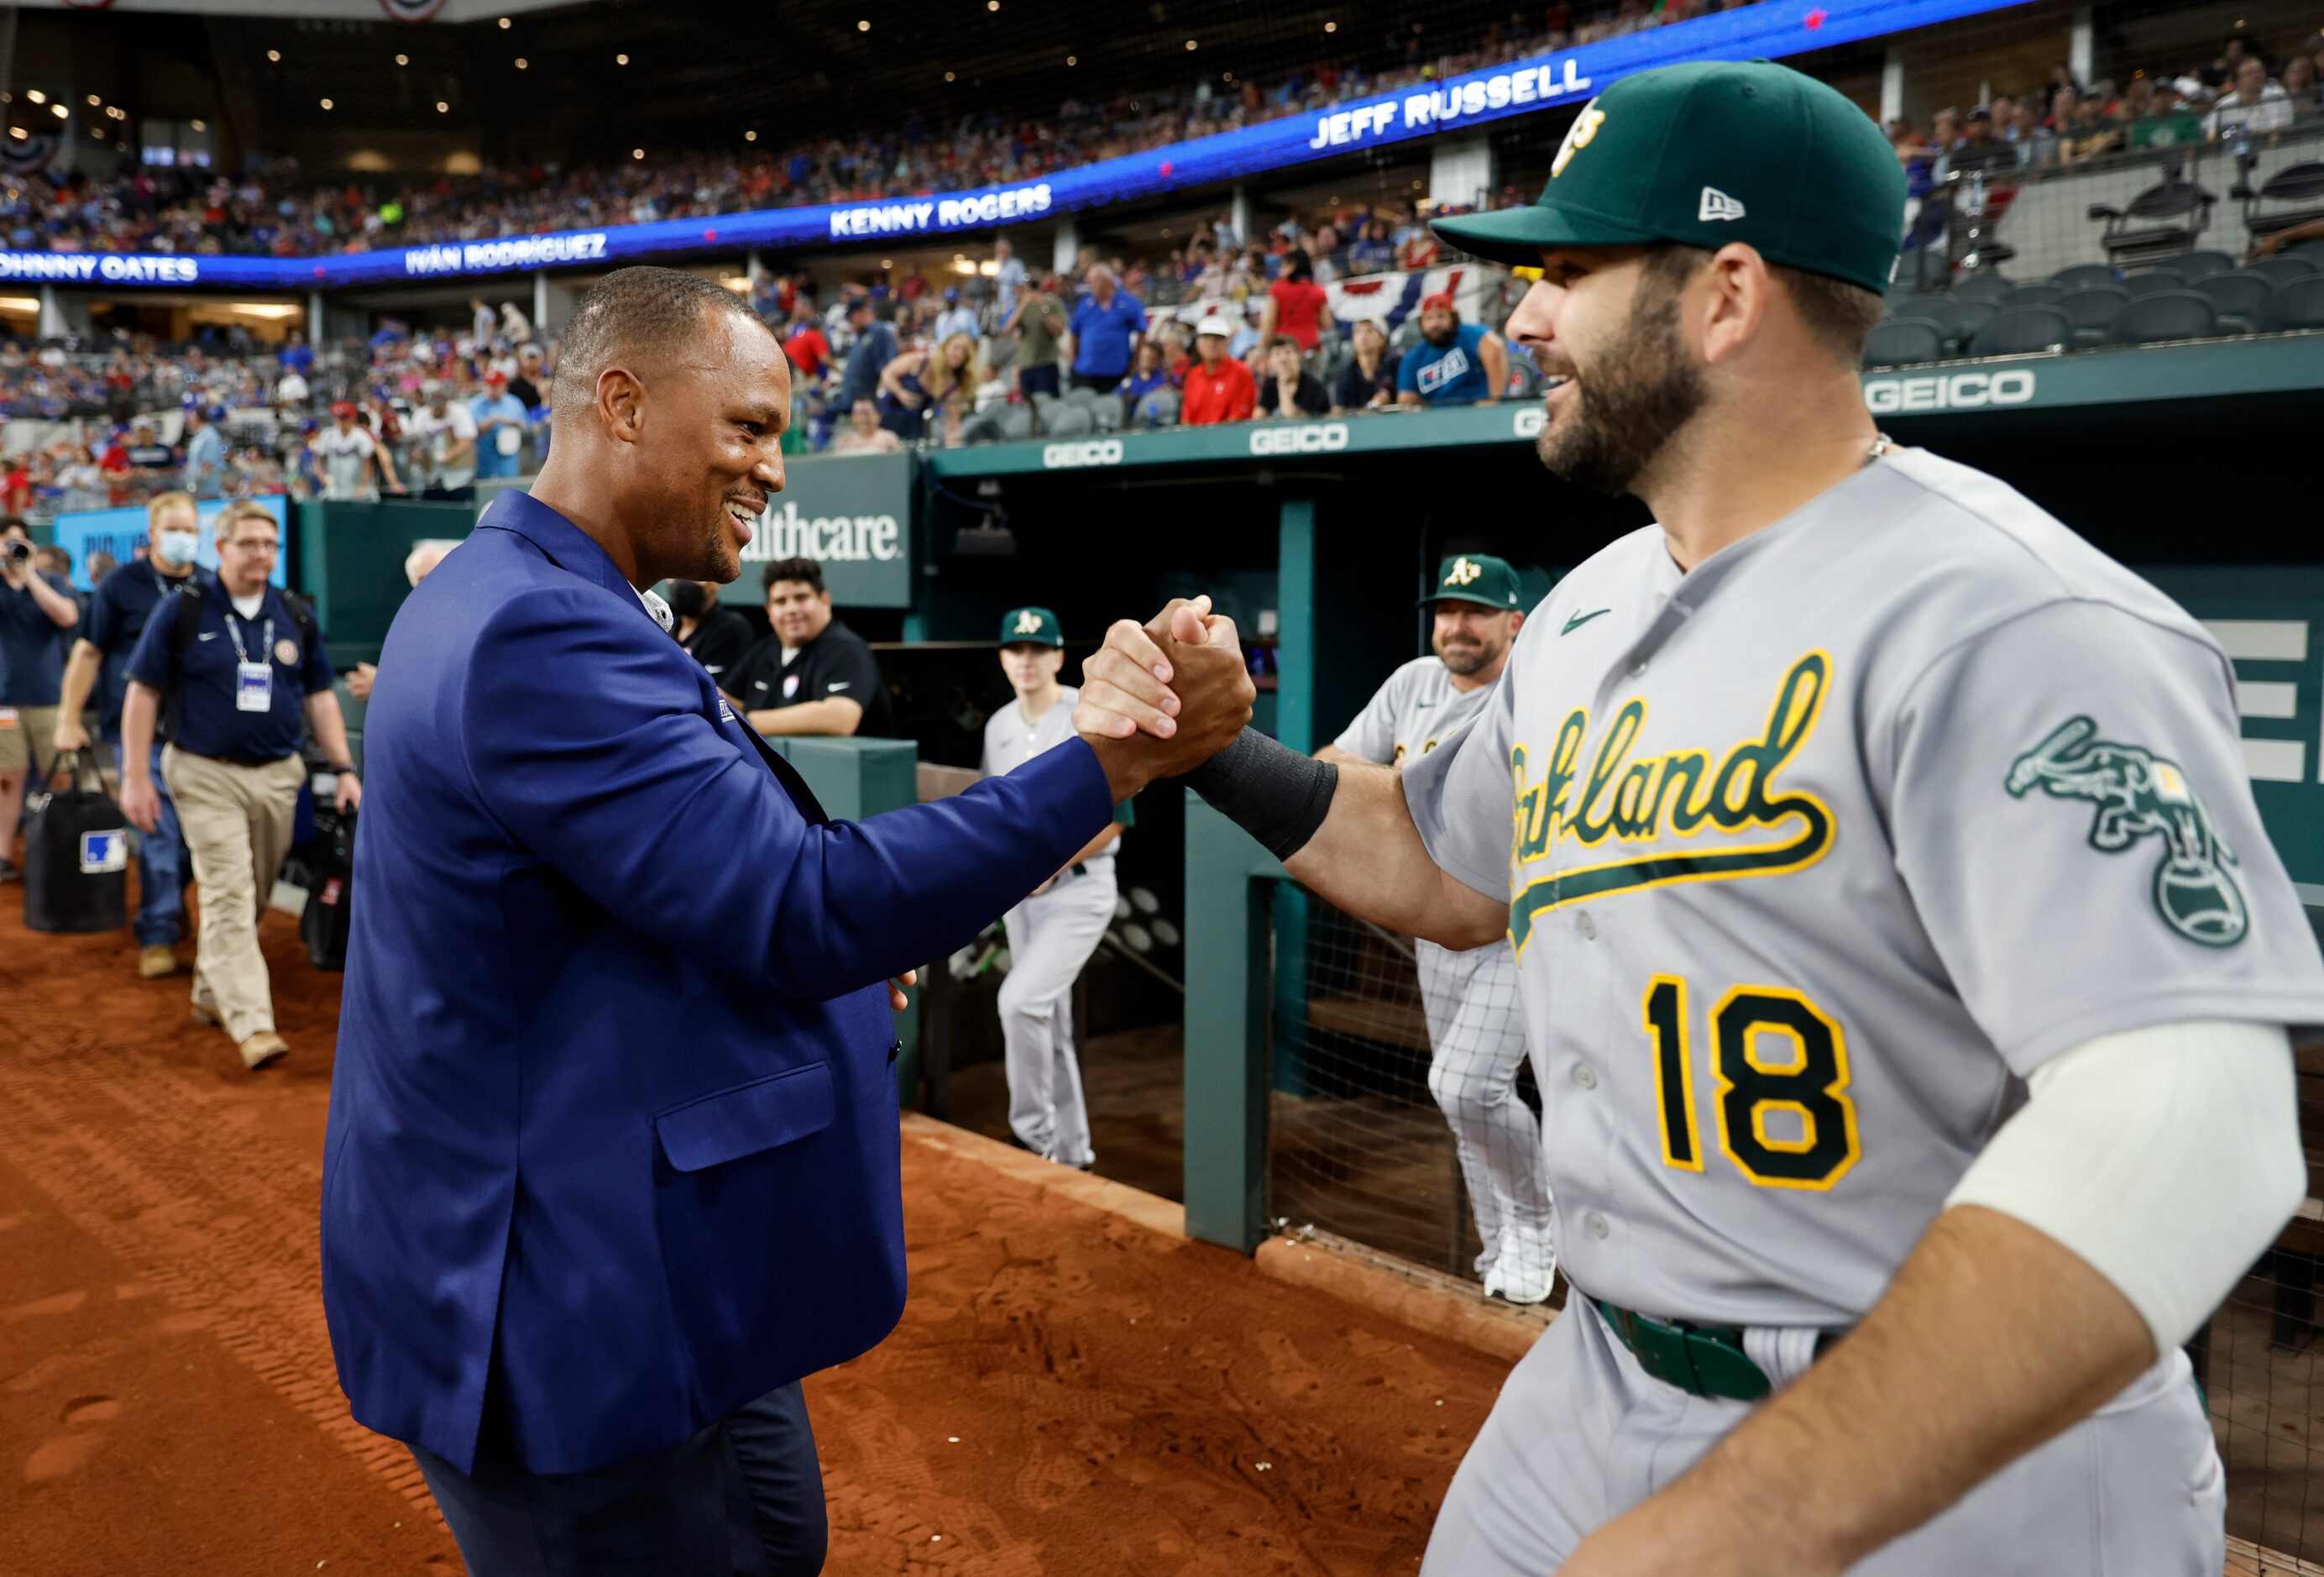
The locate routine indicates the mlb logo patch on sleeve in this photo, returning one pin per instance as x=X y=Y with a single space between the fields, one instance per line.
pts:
x=102 y=853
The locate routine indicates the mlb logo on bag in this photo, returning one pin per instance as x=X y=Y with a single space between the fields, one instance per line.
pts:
x=102 y=853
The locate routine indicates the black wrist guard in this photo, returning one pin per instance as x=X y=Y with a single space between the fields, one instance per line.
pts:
x=1268 y=790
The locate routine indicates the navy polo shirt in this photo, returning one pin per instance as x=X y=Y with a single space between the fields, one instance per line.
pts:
x=117 y=616
x=208 y=722
x=31 y=645
x=1102 y=335
x=1451 y=375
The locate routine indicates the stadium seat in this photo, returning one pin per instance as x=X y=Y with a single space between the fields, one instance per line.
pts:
x=1901 y=340
x=2284 y=267
x=2023 y=331
x=2043 y=295
x=2196 y=266
x=2297 y=305
x=2082 y=276
x=1067 y=419
x=2090 y=311
x=2292 y=196
x=1106 y=411
x=2163 y=221
x=1962 y=317
x=1921 y=304
x=2146 y=284
x=1991 y=287
x=2240 y=297
x=1159 y=409
x=1016 y=422
x=2164 y=316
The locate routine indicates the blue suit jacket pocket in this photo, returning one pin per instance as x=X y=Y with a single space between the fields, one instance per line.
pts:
x=712 y=1129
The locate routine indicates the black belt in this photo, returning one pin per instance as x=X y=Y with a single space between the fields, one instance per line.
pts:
x=251 y=761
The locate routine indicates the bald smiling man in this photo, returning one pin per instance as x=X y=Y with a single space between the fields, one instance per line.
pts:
x=612 y=1149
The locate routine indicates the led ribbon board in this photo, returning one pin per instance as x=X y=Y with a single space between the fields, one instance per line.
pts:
x=1767 y=31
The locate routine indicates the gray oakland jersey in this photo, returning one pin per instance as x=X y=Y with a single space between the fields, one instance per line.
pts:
x=1412 y=713
x=1009 y=741
x=1817 y=850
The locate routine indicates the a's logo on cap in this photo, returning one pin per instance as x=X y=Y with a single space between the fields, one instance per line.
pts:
x=1462 y=573
x=1577 y=135
x=1029 y=622
x=1717 y=204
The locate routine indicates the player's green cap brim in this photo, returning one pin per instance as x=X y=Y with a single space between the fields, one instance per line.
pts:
x=1518 y=236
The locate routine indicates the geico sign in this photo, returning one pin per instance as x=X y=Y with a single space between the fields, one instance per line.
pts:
x=1095 y=452
x=1330 y=438
x=1948 y=391
x=1529 y=421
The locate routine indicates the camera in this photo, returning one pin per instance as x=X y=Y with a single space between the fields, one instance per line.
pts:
x=15 y=550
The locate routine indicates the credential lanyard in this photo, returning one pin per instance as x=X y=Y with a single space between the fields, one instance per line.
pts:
x=253 y=682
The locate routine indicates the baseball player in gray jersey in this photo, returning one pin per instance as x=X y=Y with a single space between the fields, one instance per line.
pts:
x=1053 y=933
x=1912 y=978
x=1475 y=1030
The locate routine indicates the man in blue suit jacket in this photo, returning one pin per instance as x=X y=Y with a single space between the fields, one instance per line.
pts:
x=612 y=1148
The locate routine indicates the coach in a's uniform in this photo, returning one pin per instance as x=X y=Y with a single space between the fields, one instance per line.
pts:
x=239 y=677
x=1476 y=1025
x=1053 y=933
x=813 y=674
x=613 y=1150
x=122 y=604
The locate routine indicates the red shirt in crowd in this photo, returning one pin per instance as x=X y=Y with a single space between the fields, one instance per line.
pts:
x=1223 y=395
x=1299 y=306
x=809 y=350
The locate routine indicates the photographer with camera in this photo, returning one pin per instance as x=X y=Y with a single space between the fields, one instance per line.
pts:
x=34 y=606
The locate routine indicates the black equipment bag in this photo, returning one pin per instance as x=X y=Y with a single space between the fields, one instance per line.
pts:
x=323 y=922
x=76 y=854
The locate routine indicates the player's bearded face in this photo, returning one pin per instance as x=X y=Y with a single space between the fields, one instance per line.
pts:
x=1629 y=393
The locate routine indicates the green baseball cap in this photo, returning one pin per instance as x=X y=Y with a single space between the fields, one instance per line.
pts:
x=1710 y=152
x=1475 y=577
x=1036 y=626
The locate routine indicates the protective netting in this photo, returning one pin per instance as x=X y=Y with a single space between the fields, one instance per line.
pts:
x=2258 y=1362
x=1403 y=1113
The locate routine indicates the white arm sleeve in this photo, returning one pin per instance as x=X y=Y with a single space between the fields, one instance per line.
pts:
x=2168 y=1159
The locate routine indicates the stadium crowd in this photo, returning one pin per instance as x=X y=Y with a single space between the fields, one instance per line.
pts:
x=2244 y=92
x=1225 y=326
x=281 y=212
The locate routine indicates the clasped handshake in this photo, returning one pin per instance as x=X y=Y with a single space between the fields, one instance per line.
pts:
x=1159 y=699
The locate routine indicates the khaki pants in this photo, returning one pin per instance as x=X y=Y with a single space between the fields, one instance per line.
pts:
x=238 y=826
x=27 y=740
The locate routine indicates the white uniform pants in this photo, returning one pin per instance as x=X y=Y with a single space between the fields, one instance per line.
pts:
x=1050 y=938
x=1581 y=1434
x=1478 y=1031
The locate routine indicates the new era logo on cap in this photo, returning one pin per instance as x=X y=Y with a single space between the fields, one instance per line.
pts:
x=1717 y=204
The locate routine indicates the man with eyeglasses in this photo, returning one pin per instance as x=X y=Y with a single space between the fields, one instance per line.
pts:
x=231 y=671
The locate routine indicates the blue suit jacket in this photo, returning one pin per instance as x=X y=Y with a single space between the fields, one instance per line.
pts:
x=613 y=1107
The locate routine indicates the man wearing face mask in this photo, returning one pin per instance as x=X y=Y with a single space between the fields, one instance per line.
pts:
x=117 y=615
x=713 y=634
